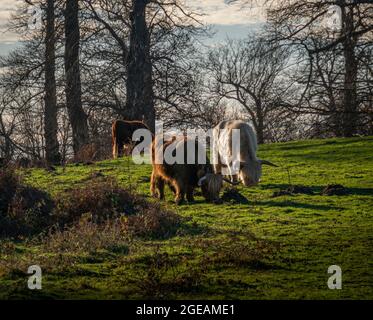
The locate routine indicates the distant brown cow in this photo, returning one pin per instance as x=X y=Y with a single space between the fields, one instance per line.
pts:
x=122 y=132
x=184 y=178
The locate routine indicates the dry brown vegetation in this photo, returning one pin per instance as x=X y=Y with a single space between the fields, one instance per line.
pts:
x=97 y=206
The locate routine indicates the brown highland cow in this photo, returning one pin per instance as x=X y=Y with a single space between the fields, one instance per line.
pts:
x=122 y=132
x=183 y=178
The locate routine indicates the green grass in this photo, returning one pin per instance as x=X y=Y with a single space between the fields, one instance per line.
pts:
x=269 y=248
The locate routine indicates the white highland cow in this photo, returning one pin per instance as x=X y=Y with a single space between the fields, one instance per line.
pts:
x=234 y=148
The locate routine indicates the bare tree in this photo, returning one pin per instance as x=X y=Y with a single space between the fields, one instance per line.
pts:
x=153 y=39
x=251 y=74
x=78 y=118
x=295 y=22
x=50 y=118
x=105 y=28
x=140 y=94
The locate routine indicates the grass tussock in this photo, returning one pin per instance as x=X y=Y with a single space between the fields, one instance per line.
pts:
x=153 y=223
x=164 y=274
x=86 y=237
x=59 y=250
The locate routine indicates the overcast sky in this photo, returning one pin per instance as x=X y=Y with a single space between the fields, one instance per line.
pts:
x=228 y=20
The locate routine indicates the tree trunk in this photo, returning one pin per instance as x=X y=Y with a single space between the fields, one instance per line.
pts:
x=260 y=133
x=260 y=125
x=50 y=99
x=337 y=119
x=140 y=95
x=350 y=90
x=77 y=116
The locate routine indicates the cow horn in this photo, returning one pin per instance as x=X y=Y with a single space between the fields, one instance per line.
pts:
x=201 y=181
x=268 y=163
x=232 y=183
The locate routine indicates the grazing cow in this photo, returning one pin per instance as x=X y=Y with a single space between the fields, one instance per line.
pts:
x=250 y=167
x=183 y=178
x=122 y=132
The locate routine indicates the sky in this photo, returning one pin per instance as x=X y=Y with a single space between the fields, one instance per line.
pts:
x=7 y=39
x=228 y=20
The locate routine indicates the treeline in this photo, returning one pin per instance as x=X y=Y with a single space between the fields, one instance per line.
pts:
x=89 y=62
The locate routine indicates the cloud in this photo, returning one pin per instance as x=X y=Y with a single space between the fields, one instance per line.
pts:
x=215 y=12
x=7 y=7
x=219 y=12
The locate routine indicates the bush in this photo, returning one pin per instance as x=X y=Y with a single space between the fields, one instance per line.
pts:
x=24 y=210
x=104 y=200
x=87 y=238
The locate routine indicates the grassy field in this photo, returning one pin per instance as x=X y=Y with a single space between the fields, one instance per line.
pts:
x=262 y=248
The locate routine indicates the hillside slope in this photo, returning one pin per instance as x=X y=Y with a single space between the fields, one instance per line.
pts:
x=261 y=247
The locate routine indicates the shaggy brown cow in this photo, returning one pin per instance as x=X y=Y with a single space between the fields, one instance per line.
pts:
x=122 y=132
x=183 y=178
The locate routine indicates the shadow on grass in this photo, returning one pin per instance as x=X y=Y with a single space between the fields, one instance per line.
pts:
x=317 y=189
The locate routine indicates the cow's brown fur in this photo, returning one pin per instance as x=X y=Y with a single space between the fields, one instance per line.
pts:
x=122 y=132
x=183 y=178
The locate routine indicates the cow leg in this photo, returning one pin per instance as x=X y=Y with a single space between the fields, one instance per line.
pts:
x=115 y=150
x=190 y=193
x=128 y=149
x=217 y=165
x=157 y=187
x=121 y=150
x=172 y=188
x=179 y=199
x=160 y=186
x=232 y=174
x=153 y=185
x=180 y=192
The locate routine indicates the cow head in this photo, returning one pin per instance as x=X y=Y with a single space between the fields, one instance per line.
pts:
x=211 y=185
x=251 y=172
